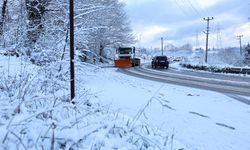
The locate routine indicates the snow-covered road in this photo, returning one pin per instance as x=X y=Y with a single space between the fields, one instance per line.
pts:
x=208 y=81
x=197 y=118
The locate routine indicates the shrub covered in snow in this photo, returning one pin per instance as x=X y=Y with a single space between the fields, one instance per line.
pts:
x=247 y=54
x=217 y=69
x=36 y=113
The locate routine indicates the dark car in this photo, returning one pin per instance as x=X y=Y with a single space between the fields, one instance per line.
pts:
x=160 y=61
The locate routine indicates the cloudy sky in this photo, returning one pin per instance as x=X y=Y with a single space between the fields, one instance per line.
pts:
x=181 y=21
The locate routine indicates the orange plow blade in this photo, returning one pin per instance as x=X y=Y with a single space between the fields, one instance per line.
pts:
x=123 y=63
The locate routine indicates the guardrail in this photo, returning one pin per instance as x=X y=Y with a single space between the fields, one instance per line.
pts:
x=235 y=70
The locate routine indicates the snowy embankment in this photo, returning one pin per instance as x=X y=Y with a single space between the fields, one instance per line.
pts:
x=218 y=61
x=36 y=112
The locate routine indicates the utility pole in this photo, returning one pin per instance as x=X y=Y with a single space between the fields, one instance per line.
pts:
x=240 y=38
x=161 y=46
x=207 y=33
x=72 y=68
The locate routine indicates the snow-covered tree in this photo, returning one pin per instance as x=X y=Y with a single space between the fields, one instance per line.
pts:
x=247 y=54
x=186 y=47
x=108 y=24
x=13 y=24
x=41 y=27
x=35 y=12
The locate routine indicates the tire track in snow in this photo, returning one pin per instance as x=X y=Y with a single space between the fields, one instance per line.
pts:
x=222 y=86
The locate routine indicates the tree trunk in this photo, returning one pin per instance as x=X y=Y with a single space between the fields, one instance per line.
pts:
x=101 y=53
x=64 y=49
x=35 y=12
x=4 y=8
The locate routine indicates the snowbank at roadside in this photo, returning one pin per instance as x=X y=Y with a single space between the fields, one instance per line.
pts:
x=36 y=112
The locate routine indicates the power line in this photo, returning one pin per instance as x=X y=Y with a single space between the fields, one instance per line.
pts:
x=192 y=6
x=198 y=10
x=181 y=7
x=204 y=10
x=183 y=4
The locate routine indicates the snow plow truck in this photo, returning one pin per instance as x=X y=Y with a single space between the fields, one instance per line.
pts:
x=125 y=57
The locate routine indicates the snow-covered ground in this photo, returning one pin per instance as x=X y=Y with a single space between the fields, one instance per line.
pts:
x=35 y=112
x=195 y=118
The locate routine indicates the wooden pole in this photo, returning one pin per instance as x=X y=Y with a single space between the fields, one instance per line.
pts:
x=72 y=68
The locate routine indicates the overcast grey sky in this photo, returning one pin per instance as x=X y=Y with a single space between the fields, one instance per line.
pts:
x=180 y=21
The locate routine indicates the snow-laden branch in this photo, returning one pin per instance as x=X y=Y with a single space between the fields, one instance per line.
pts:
x=93 y=28
x=92 y=10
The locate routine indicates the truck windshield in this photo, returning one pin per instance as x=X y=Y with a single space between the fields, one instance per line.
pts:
x=125 y=50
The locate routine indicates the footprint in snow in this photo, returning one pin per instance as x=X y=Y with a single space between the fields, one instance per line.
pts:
x=226 y=126
x=161 y=94
x=165 y=101
x=159 y=97
x=192 y=95
x=167 y=106
x=198 y=114
x=133 y=86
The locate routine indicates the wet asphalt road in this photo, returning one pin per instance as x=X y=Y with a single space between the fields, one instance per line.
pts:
x=233 y=86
